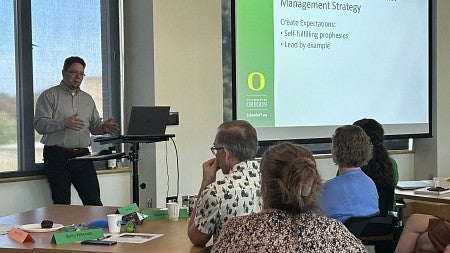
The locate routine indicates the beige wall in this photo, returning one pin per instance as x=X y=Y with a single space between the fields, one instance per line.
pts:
x=182 y=45
x=188 y=76
x=138 y=79
x=443 y=89
x=433 y=155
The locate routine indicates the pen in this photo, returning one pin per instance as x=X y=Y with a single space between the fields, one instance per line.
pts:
x=105 y=237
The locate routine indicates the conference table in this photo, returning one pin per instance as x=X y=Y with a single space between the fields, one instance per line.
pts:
x=410 y=194
x=174 y=237
x=425 y=203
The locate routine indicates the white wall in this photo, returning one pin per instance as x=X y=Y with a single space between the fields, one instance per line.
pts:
x=21 y=196
x=24 y=195
x=405 y=162
x=114 y=190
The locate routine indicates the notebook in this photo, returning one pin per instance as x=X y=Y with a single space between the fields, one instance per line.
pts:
x=430 y=191
x=145 y=122
x=412 y=185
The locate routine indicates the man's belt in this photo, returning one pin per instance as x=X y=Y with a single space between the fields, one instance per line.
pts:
x=71 y=151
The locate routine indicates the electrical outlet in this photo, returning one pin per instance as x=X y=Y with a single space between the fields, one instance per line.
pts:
x=149 y=203
x=170 y=199
x=173 y=119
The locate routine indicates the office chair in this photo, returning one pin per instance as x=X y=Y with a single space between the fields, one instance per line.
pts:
x=379 y=229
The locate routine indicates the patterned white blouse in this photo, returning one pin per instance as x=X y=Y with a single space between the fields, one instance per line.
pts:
x=239 y=193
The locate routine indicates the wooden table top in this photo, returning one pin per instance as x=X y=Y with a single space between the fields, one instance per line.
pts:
x=175 y=237
x=410 y=194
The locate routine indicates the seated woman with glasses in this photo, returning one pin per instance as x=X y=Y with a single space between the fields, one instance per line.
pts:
x=289 y=222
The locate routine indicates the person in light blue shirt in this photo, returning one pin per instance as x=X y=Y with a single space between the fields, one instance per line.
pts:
x=351 y=193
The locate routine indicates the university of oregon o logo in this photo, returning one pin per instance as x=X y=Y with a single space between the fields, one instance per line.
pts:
x=252 y=81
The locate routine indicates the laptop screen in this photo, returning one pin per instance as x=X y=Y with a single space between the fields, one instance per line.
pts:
x=148 y=120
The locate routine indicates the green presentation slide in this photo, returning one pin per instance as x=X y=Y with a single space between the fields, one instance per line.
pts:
x=316 y=65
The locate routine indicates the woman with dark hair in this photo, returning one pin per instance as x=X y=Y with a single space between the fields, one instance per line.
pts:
x=381 y=168
x=289 y=222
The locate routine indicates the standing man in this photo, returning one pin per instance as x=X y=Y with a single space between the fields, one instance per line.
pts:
x=234 y=148
x=66 y=116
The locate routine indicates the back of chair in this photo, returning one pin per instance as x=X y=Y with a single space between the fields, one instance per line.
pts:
x=385 y=199
x=357 y=224
x=377 y=230
x=379 y=224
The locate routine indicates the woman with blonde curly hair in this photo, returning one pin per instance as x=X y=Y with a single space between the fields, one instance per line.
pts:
x=289 y=221
x=351 y=193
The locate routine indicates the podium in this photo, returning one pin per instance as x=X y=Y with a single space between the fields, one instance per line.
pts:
x=133 y=155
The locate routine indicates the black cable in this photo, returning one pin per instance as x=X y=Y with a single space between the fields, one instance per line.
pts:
x=167 y=169
x=167 y=172
x=178 y=167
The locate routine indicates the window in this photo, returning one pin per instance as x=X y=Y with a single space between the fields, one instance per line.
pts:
x=8 y=122
x=33 y=51
x=57 y=34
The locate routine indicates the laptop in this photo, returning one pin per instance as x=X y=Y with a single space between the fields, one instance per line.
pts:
x=145 y=122
x=148 y=120
x=412 y=185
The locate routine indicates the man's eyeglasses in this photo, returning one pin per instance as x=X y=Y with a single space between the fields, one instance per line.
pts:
x=215 y=150
x=75 y=73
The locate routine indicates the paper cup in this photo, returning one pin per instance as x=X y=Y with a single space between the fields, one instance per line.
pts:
x=437 y=181
x=173 y=209
x=114 y=223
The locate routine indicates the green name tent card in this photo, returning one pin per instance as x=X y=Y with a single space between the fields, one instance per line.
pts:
x=156 y=214
x=128 y=209
x=183 y=213
x=161 y=214
x=77 y=236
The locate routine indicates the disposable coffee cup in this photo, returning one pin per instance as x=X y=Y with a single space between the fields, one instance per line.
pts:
x=437 y=181
x=173 y=208
x=114 y=223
